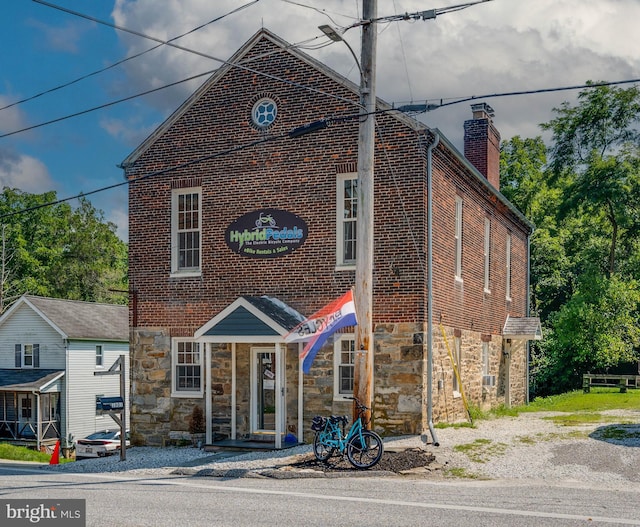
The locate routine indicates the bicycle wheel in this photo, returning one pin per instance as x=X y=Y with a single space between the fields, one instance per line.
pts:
x=320 y=449
x=364 y=450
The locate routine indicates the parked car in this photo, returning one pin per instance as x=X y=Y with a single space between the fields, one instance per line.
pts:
x=100 y=444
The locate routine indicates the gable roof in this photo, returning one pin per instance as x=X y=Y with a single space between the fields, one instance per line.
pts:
x=236 y=62
x=27 y=380
x=251 y=319
x=522 y=328
x=74 y=319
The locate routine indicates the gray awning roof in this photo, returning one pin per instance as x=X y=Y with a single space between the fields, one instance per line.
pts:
x=251 y=319
x=522 y=328
x=27 y=380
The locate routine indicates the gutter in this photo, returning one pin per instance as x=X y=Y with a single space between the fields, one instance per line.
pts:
x=430 y=148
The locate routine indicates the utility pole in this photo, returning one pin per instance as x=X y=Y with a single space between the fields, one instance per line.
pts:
x=363 y=361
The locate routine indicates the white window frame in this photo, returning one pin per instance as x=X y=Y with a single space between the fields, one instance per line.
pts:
x=486 y=365
x=338 y=394
x=487 y=255
x=26 y=347
x=99 y=356
x=341 y=261
x=99 y=411
x=458 y=239
x=176 y=232
x=34 y=349
x=508 y=264
x=175 y=352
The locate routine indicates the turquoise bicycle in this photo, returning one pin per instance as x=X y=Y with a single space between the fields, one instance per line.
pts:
x=363 y=447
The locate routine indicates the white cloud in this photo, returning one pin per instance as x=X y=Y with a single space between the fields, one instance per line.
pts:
x=130 y=132
x=12 y=117
x=494 y=47
x=23 y=172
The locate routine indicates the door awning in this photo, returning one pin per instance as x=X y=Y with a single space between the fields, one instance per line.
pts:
x=28 y=379
x=522 y=328
x=251 y=319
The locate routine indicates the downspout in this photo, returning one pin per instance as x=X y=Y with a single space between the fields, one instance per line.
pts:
x=430 y=148
x=528 y=312
x=64 y=430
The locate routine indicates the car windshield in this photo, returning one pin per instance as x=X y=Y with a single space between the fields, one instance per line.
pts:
x=103 y=435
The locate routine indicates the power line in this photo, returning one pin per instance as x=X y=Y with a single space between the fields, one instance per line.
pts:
x=427 y=107
x=195 y=52
x=147 y=176
x=106 y=105
x=120 y=62
x=224 y=62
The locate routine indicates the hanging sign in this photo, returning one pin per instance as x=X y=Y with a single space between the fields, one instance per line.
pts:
x=266 y=233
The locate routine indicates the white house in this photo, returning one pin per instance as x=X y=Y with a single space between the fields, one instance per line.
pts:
x=51 y=354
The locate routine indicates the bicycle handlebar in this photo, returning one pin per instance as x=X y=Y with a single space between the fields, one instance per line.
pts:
x=359 y=404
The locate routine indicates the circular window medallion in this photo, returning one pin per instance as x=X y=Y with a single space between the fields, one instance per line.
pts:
x=264 y=112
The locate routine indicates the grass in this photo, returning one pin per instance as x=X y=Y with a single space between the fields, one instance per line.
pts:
x=481 y=450
x=21 y=453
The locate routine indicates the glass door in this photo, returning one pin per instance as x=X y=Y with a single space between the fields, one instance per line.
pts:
x=263 y=397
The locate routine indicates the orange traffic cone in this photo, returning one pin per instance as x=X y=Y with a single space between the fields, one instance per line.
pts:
x=55 y=457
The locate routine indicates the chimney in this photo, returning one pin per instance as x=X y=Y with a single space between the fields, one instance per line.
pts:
x=482 y=143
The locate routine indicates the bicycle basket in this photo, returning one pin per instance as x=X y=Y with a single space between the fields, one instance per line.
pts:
x=318 y=423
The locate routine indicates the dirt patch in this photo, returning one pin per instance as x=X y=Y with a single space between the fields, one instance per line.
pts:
x=391 y=461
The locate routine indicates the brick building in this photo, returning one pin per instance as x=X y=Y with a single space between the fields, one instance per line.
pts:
x=241 y=225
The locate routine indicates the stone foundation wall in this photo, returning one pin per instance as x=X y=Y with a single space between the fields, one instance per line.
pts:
x=399 y=383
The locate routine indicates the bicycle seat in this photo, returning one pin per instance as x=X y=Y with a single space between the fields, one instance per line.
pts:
x=339 y=419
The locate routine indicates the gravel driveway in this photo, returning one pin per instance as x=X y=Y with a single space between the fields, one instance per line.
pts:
x=531 y=446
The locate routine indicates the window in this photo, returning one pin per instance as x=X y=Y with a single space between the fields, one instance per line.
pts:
x=27 y=355
x=487 y=252
x=25 y=408
x=485 y=359
x=187 y=368
x=186 y=221
x=99 y=410
x=457 y=359
x=99 y=356
x=347 y=215
x=343 y=361
x=264 y=112
x=458 y=239
x=508 y=260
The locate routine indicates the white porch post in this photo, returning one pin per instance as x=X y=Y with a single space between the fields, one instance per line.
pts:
x=207 y=402
x=279 y=396
x=300 y=433
x=233 y=390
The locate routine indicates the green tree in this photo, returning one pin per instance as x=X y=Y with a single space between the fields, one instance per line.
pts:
x=595 y=147
x=597 y=329
x=58 y=251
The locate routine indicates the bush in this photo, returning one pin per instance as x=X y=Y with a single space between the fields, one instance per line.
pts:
x=196 y=421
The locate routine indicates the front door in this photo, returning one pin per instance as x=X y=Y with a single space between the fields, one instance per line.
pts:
x=264 y=376
x=26 y=416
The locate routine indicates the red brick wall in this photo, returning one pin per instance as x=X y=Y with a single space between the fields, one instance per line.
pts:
x=299 y=175
x=482 y=148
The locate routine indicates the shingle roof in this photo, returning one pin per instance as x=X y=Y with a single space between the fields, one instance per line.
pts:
x=277 y=310
x=527 y=328
x=84 y=320
x=26 y=380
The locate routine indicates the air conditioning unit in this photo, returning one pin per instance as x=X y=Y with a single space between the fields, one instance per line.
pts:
x=488 y=380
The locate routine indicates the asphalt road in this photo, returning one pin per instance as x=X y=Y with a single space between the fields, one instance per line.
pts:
x=125 y=500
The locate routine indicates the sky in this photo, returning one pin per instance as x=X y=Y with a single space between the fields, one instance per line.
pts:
x=494 y=47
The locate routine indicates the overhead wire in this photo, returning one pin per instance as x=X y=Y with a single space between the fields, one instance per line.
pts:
x=120 y=62
x=149 y=175
x=169 y=43
x=404 y=107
